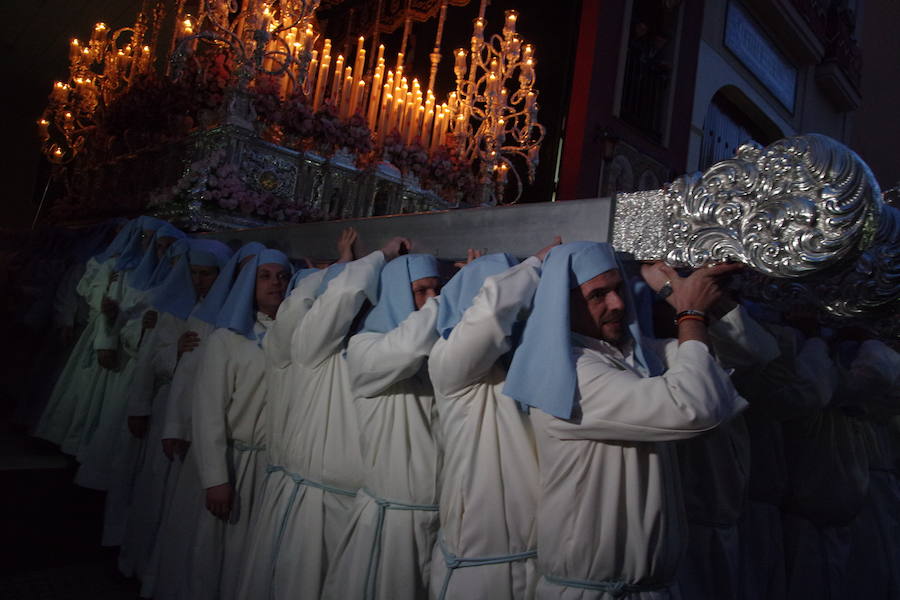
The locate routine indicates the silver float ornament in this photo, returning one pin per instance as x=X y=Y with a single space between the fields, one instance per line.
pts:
x=804 y=213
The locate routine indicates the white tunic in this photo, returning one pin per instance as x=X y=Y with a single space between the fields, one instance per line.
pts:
x=611 y=513
x=149 y=393
x=228 y=446
x=316 y=465
x=489 y=480
x=65 y=417
x=715 y=469
x=166 y=577
x=386 y=547
x=98 y=452
x=776 y=391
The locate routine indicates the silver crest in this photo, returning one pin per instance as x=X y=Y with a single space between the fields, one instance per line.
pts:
x=805 y=213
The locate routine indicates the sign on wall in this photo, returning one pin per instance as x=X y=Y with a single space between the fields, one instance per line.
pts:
x=756 y=51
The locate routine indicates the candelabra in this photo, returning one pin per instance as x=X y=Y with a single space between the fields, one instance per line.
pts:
x=274 y=39
x=494 y=108
x=99 y=70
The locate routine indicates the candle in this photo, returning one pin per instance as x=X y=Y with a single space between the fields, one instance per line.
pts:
x=375 y=99
x=99 y=30
x=386 y=105
x=311 y=73
x=338 y=78
x=43 y=128
x=426 y=128
x=509 y=28
x=75 y=51
x=527 y=51
x=60 y=91
x=438 y=126
x=478 y=35
x=380 y=57
x=460 y=67
x=360 y=63
x=355 y=95
x=345 y=94
x=415 y=131
x=321 y=82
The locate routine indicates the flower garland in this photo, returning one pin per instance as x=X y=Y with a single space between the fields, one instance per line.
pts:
x=217 y=183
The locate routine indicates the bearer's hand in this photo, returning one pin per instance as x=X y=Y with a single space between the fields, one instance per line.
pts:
x=109 y=308
x=699 y=291
x=188 y=341
x=471 y=255
x=396 y=247
x=347 y=245
x=107 y=359
x=173 y=447
x=219 y=499
x=149 y=320
x=138 y=426
x=542 y=253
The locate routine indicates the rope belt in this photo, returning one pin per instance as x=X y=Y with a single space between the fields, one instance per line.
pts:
x=375 y=554
x=454 y=562
x=615 y=588
x=299 y=480
x=242 y=446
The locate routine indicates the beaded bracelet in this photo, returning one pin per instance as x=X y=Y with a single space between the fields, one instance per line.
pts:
x=690 y=315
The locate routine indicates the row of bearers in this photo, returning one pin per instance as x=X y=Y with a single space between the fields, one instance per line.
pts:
x=359 y=432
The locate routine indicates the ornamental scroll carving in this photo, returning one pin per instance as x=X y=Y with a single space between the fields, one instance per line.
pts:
x=805 y=213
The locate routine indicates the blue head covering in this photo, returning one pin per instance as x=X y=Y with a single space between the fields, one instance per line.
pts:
x=542 y=372
x=170 y=258
x=460 y=291
x=395 y=297
x=643 y=304
x=209 y=307
x=88 y=247
x=133 y=252
x=145 y=274
x=299 y=275
x=239 y=310
x=176 y=294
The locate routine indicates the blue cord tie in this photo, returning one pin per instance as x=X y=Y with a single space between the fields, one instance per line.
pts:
x=375 y=554
x=615 y=588
x=454 y=562
x=299 y=481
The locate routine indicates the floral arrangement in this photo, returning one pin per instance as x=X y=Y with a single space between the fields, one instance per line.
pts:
x=156 y=107
x=449 y=175
x=217 y=182
x=410 y=159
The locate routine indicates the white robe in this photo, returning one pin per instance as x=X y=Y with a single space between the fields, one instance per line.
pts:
x=65 y=417
x=229 y=447
x=776 y=391
x=386 y=549
x=99 y=453
x=611 y=511
x=165 y=574
x=315 y=460
x=715 y=471
x=828 y=478
x=149 y=394
x=489 y=479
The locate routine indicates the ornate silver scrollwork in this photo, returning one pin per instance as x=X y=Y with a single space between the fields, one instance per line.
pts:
x=805 y=213
x=796 y=207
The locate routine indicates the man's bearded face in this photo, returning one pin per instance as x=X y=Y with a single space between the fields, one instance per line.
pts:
x=597 y=308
